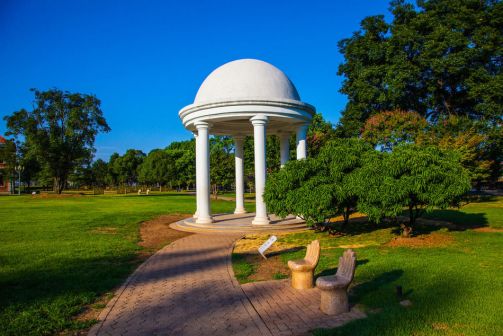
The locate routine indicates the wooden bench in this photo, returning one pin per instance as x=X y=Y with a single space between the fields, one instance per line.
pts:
x=303 y=269
x=334 y=294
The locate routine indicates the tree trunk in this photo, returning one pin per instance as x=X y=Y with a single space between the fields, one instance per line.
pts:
x=411 y=214
x=215 y=191
x=59 y=185
x=345 y=216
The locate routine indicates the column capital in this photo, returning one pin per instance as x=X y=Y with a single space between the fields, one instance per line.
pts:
x=259 y=119
x=304 y=125
x=285 y=135
x=202 y=124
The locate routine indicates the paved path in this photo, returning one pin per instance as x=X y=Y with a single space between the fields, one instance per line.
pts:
x=188 y=288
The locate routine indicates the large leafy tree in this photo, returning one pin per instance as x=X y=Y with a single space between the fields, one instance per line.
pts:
x=157 y=168
x=417 y=178
x=99 y=172
x=439 y=58
x=319 y=133
x=470 y=139
x=126 y=167
x=8 y=156
x=183 y=153
x=318 y=188
x=388 y=129
x=60 y=131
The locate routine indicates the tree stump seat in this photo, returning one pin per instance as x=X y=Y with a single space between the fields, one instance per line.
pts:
x=303 y=269
x=334 y=294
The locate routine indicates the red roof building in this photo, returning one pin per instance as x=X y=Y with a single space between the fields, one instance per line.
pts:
x=4 y=177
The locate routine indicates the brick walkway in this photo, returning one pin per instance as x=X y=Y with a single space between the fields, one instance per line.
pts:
x=188 y=288
x=287 y=311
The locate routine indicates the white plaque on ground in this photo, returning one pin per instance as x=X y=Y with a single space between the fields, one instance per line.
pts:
x=266 y=245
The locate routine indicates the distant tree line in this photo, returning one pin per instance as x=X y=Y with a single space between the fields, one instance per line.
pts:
x=173 y=168
x=54 y=143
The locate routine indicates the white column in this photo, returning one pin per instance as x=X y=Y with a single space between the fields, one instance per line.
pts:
x=284 y=144
x=203 y=173
x=198 y=183
x=239 y=169
x=259 y=142
x=301 y=142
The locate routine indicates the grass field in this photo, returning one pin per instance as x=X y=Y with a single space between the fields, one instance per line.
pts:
x=453 y=276
x=60 y=254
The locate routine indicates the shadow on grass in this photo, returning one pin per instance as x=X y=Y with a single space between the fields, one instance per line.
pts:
x=453 y=220
x=356 y=226
x=332 y=271
x=460 y=220
x=44 y=300
x=429 y=306
x=375 y=284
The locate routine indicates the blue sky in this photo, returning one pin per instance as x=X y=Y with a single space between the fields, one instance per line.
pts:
x=146 y=59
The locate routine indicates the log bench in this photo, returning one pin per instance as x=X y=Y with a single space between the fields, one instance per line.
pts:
x=334 y=295
x=303 y=269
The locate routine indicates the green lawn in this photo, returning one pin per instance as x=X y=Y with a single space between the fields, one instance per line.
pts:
x=455 y=288
x=59 y=254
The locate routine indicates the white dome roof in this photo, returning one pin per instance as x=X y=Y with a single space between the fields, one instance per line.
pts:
x=246 y=79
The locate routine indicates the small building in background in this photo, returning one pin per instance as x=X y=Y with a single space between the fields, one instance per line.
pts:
x=4 y=176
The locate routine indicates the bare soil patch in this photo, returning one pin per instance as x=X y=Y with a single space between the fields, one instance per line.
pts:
x=267 y=269
x=156 y=233
x=435 y=239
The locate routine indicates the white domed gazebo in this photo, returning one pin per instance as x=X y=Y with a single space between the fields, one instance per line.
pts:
x=241 y=98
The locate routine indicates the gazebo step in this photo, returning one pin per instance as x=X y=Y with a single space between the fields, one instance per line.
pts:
x=230 y=223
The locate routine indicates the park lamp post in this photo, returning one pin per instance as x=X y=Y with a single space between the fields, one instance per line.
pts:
x=19 y=169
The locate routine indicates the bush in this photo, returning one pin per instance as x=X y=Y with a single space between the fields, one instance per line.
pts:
x=350 y=175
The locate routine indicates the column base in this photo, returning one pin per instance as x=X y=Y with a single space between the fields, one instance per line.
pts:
x=207 y=220
x=195 y=215
x=260 y=221
x=240 y=211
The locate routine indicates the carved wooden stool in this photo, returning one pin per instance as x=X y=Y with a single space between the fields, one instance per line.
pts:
x=334 y=295
x=303 y=269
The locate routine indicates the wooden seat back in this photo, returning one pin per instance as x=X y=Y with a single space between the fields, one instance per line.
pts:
x=313 y=253
x=347 y=265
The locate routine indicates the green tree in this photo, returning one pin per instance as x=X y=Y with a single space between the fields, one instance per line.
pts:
x=471 y=139
x=126 y=167
x=183 y=154
x=8 y=156
x=419 y=179
x=391 y=128
x=99 y=172
x=112 y=178
x=154 y=168
x=319 y=133
x=415 y=63
x=60 y=130
x=318 y=188
x=185 y=167
x=221 y=163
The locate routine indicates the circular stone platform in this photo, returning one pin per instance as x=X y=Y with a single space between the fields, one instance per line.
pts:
x=242 y=223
